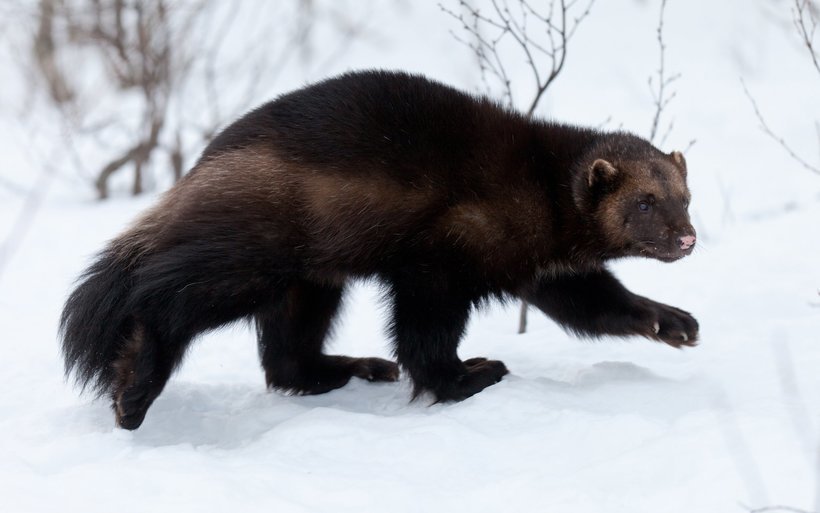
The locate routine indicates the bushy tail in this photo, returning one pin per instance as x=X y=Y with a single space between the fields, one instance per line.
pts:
x=94 y=324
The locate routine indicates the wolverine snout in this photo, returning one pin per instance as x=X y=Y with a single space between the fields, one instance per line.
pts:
x=686 y=242
x=675 y=245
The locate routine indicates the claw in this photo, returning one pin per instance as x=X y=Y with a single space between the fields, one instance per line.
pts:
x=657 y=328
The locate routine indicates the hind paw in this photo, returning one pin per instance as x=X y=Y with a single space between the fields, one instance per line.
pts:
x=481 y=373
x=375 y=369
x=327 y=373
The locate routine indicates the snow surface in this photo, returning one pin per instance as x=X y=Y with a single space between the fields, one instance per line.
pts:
x=578 y=426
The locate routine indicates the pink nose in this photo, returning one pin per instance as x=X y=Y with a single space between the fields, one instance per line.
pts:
x=686 y=242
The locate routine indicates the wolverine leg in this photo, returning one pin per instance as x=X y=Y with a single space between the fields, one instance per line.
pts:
x=291 y=335
x=428 y=323
x=596 y=303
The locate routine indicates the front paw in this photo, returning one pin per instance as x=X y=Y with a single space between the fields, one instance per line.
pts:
x=670 y=325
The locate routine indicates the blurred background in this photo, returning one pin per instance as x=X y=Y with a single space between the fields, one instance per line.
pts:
x=104 y=104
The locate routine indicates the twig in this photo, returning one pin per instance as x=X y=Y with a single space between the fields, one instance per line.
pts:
x=522 y=25
x=768 y=131
x=522 y=317
x=660 y=97
x=805 y=20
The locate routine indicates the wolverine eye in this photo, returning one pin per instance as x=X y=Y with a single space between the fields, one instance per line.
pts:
x=644 y=206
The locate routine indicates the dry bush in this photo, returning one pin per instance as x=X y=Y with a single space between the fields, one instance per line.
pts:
x=144 y=82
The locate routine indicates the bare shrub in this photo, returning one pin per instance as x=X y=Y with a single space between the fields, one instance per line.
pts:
x=167 y=73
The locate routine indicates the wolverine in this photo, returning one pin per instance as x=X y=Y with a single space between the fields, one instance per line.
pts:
x=446 y=199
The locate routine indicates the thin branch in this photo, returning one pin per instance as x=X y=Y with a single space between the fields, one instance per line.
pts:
x=484 y=48
x=768 y=131
x=101 y=183
x=565 y=34
x=522 y=26
x=804 y=16
x=522 y=317
x=660 y=96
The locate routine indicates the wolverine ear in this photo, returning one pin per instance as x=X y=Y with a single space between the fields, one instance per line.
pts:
x=601 y=171
x=679 y=160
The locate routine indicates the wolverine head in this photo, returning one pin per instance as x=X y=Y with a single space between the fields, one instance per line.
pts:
x=637 y=199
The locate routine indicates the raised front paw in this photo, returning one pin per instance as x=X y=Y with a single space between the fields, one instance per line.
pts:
x=670 y=325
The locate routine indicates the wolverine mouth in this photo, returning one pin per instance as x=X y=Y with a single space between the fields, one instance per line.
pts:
x=650 y=250
x=668 y=258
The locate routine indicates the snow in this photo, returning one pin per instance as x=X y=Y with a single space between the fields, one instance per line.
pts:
x=578 y=426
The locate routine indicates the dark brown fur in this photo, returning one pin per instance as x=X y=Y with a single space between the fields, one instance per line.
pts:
x=447 y=199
